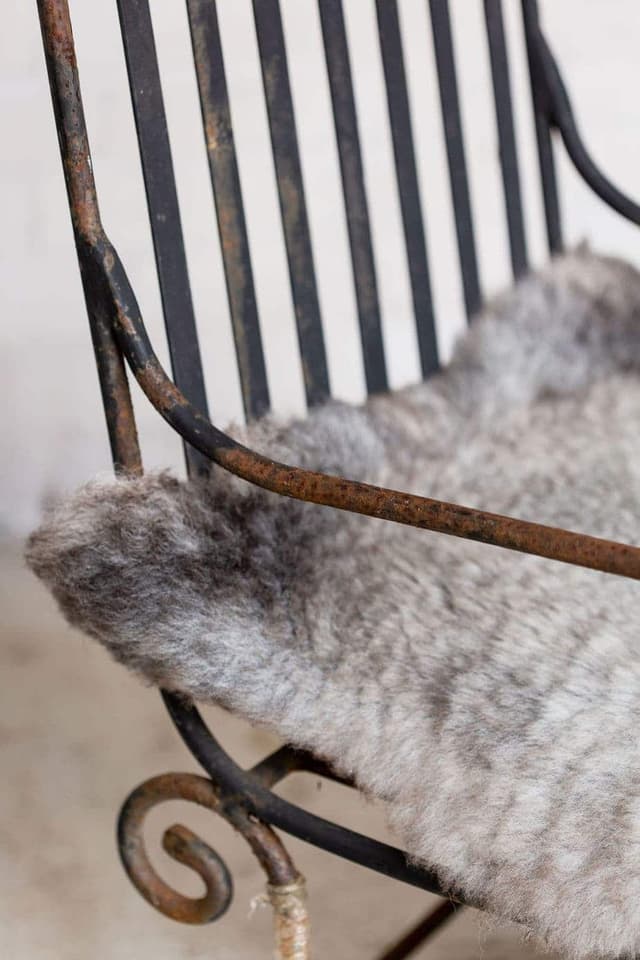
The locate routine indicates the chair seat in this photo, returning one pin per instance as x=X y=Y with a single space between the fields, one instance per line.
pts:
x=489 y=698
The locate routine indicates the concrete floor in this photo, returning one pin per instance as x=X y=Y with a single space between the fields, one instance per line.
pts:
x=76 y=734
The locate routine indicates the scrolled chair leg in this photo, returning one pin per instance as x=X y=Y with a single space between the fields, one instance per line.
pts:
x=285 y=886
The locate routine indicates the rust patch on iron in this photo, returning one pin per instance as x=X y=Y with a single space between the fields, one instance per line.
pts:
x=91 y=243
x=74 y=145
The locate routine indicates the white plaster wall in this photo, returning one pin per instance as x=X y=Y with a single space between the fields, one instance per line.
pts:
x=52 y=429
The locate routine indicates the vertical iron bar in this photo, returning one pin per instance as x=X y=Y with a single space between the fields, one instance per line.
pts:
x=506 y=135
x=284 y=143
x=355 y=198
x=543 y=121
x=57 y=38
x=456 y=160
x=225 y=180
x=407 y=180
x=162 y=202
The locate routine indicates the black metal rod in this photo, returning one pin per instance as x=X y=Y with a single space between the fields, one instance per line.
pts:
x=225 y=180
x=293 y=209
x=563 y=119
x=506 y=136
x=425 y=928
x=355 y=199
x=286 y=760
x=543 y=124
x=162 y=202
x=354 y=496
x=267 y=806
x=407 y=180
x=456 y=159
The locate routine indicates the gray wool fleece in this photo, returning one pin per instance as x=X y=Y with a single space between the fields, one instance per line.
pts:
x=491 y=699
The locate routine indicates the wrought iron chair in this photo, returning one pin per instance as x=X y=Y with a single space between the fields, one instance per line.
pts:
x=244 y=797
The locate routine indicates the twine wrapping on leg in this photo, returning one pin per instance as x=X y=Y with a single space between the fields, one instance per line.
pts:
x=291 y=920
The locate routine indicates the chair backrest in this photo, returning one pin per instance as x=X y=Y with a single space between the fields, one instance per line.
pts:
x=117 y=326
x=164 y=215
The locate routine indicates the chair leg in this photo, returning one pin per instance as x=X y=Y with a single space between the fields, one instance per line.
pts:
x=285 y=886
x=425 y=928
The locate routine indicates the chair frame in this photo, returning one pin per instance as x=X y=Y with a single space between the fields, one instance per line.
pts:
x=245 y=797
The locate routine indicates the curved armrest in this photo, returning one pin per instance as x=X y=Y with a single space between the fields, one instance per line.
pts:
x=332 y=491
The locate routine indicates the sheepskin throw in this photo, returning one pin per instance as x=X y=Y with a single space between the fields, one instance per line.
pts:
x=491 y=699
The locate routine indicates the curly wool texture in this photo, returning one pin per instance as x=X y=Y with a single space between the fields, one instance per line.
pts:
x=491 y=699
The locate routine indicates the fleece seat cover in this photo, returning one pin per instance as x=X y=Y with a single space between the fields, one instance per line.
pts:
x=491 y=699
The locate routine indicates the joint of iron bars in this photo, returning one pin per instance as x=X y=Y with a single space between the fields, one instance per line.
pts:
x=244 y=800
x=257 y=800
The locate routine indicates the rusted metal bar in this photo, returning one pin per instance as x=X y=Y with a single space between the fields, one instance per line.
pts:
x=60 y=56
x=285 y=887
x=180 y=844
x=225 y=180
x=439 y=516
x=57 y=37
